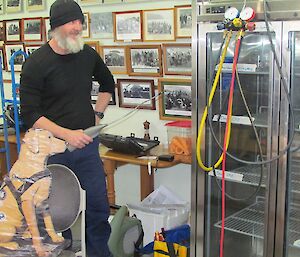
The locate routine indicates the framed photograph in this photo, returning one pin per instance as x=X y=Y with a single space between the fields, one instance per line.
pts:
x=102 y=25
x=145 y=60
x=93 y=44
x=115 y=58
x=35 y=5
x=29 y=49
x=2 y=31
x=3 y=63
x=95 y=91
x=32 y=29
x=176 y=101
x=13 y=31
x=128 y=26
x=1 y=6
x=183 y=21
x=47 y=29
x=135 y=92
x=177 y=59
x=9 y=50
x=13 y=6
x=86 y=26
x=158 y=25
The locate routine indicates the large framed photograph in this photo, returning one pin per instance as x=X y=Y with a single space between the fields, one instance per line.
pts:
x=2 y=31
x=35 y=5
x=86 y=26
x=102 y=25
x=93 y=44
x=145 y=60
x=115 y=58
x=95 y=91
x=13 y=31
x=136 y=93
x=177 y=59
x=158 y=25
x=47 y=29
x=13 y=6
x=128 y=26
x=176 y=101
x=183 y=21
x=1 y=6
x=32 y=29
x=3 y=63
x=19 y=59
x=29 y=49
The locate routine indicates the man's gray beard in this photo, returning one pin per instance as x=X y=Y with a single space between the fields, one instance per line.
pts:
x=69 y=44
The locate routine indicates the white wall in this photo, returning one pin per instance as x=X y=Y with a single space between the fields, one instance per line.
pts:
x=127 y=178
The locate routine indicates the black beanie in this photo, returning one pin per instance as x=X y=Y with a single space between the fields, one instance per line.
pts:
x=64 y=11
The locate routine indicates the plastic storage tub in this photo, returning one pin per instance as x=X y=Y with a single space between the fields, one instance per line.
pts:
x=161 y=209
x=179 y=137
x=153 y=219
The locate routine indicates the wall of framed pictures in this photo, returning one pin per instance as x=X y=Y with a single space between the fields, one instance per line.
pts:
x=147 y=47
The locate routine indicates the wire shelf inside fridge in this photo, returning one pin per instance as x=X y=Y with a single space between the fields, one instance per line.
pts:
x=250 y=175
x=250 y=221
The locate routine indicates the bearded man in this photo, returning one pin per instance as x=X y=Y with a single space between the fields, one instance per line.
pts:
x=55 y=94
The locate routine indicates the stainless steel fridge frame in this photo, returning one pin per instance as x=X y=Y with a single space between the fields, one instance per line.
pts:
x=275 y=205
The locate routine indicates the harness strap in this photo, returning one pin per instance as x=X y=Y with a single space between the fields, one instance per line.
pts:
x=17 y=193
x=34 y=178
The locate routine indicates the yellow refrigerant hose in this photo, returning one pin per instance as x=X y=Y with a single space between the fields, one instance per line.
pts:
x=204 y=116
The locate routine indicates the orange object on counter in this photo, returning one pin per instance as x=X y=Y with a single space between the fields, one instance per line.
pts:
x=179 y=137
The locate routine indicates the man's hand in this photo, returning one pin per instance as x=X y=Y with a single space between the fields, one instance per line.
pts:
x=77 y=138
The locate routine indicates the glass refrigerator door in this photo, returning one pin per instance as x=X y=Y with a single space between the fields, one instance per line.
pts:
x=249 y=186
x=291 y=203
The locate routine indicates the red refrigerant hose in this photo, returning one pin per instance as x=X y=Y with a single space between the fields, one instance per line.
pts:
x=229 y=113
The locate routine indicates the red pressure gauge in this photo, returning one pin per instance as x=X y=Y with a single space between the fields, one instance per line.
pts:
x=231 y=13
x=247 y=14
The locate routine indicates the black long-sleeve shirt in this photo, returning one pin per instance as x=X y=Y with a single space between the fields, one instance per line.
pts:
x=58 y=87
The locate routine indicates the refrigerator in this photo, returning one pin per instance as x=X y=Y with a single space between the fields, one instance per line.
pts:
x=262 y=178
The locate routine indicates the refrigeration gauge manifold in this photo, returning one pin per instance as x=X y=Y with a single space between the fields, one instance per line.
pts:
x=235 y=20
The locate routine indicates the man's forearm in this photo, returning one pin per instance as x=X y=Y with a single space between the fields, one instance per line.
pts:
x=102 y=101
x=56 y=130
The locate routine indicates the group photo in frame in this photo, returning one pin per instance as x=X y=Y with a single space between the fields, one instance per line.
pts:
x=102 y=25
x=47 y=29
x=13 y=6
x=115 y=58
x=93 y=44
x=2 y=31
x=86 y=26
x=176 y=101
x=145 y=60
x=135 y=92
x=1 y=6
x=128 y=26
x=29 y=49
x=177 y=59
x=158 y=25
x=3 y=63
x=13 y=31
x=183 y=21
x=9 y=50
x=32 y=29
x=95 y=91
x=35 y=5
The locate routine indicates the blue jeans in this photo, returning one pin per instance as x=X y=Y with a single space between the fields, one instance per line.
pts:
x=88 y=167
